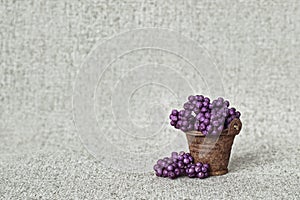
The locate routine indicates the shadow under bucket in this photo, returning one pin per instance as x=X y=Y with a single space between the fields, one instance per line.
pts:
x=214 y=150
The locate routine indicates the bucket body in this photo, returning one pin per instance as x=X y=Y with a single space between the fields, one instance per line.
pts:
x=214 y=150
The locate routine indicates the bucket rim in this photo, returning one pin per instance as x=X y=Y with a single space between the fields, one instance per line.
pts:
x=234 y=128
x=200 y=134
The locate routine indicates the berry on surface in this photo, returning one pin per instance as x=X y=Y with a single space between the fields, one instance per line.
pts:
x=180 y=164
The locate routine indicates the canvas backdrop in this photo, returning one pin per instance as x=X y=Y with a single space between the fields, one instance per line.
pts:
x=255 y=46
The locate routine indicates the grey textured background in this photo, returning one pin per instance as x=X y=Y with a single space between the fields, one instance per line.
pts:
x=255 y=44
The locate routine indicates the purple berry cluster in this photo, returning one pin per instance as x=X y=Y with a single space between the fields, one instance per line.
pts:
x=232 y=113
x=182 y=119
x=180 y=164
x=200 y=114
x=198 y=170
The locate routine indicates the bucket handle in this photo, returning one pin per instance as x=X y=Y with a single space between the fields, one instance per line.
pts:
x=235 y=127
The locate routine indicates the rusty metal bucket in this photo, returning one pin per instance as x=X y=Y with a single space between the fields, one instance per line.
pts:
x=214 y=150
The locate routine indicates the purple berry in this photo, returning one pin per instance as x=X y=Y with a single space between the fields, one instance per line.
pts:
x=170 y=168
x=185 y=123
x=214 y=117
x=171 y=175
x=206 y=174
x=226 y=103
x=207 y=115
x=206 y=121
x=192 y=175
x=237 y=114
x=204 y=169
x=194 y=102
x=164 y=164
x=202 y=127
x=206 y=99
x=187 y=170
x=159 y=172
x=224 y=114
x=184 y=129
x=174 y=154
x=180 y=157
x=190 y=127
x=198 y=105
x=202 y=118
x=191 y=171
x=209 y=128
x=179 y=122
x=199 y=164
x=182 y=171
x=175 y=165
x=180 y=164
x=155 y=167
x=174 y=118
x=200 y=97
x=159 y=162
x=165 y=173
x=191 y=98
x=175 y=160
x=186 y=106
x=215 y=123
x=186 y=161
x=197 y=169
x=181 y=113
x=206 y=166
x=192 y=106
x=214 y=102
x=232 y=111
x=177 y=171
x=214 y=132
x=187 y=113
x=172 y=123
x=200 y=175
x=220 y=128
x=220 y=99
x=196 y=110
x=203 y=110
x=175 y=112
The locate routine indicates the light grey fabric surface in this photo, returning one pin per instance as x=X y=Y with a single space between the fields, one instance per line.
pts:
x=255 y=45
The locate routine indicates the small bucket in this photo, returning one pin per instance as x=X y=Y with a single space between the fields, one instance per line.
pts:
x=214 y=150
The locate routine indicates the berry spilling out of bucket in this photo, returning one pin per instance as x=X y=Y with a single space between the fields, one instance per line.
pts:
x=180 y=164
x=199 y=113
